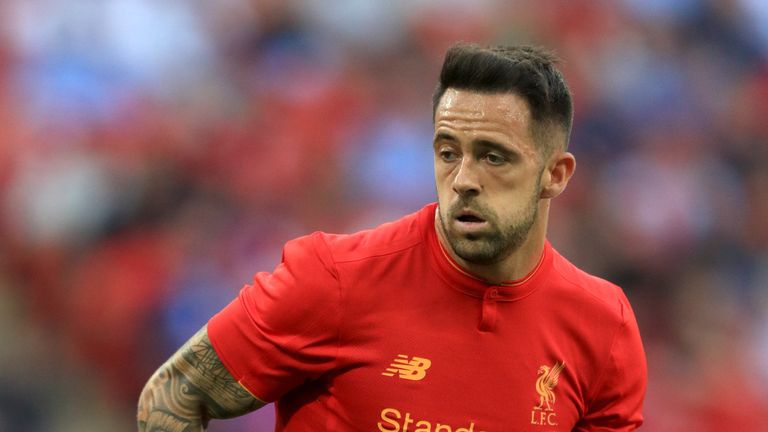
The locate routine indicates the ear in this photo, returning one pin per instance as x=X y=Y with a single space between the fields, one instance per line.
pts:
x=556 y=174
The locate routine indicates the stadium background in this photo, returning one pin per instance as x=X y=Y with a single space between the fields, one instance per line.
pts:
x=154 y=155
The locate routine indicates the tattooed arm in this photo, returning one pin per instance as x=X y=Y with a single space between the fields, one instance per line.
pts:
x=190 y=388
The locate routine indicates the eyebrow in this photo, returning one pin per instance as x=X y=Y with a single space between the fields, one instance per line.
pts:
x=493 y=145
x=481 y=144
x=444 y=136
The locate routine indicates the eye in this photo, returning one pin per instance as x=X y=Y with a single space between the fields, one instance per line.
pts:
x=448 y=155
x=495 y=159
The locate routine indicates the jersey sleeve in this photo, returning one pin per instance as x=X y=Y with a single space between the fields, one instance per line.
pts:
x=283 y=329
x=617 y=403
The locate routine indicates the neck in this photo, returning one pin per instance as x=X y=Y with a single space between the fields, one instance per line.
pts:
x=518 y=264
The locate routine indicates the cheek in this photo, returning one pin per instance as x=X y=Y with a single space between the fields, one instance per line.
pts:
x=513 y=193
x=520 y=181
x=441 y=187
x=443 y=176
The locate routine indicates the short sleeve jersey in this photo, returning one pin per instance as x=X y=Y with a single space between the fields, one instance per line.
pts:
x=382 y=331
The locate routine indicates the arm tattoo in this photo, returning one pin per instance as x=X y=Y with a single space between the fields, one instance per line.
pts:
x=190 y=388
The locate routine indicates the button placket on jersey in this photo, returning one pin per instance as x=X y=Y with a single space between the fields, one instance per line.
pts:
x=488 y=313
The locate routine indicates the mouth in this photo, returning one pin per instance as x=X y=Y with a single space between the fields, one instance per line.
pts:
x=469 y=222
x=470 y=219
x=469 y=216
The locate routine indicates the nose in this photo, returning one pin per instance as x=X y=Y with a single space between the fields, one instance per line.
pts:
x=466 y=182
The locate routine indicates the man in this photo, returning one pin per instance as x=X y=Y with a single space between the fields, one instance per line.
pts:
x=458 y=318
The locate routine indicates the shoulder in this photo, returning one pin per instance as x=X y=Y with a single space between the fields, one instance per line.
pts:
x=311 y=267
x=386 y=239
x=598 y=294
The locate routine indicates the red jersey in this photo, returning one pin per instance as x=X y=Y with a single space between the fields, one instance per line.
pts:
x=382 y=331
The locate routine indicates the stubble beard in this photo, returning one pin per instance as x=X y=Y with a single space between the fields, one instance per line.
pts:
x=497 y=243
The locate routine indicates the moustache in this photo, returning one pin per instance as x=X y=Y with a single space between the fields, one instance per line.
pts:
x=463 y=206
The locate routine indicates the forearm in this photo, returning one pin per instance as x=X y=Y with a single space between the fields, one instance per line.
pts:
x=169 y=402
x=190 y=388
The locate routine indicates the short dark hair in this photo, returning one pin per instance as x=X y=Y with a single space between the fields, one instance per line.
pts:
x=527 y=71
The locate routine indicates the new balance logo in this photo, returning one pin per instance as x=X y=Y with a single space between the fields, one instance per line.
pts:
x=414 y=369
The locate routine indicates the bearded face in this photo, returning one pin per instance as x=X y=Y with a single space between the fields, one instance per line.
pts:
x=479 y=235
x=488 y=173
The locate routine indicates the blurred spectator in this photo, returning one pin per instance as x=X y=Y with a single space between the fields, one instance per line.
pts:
x=154 y=156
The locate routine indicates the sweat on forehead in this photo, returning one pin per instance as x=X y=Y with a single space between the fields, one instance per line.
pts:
x=470 y=117
x=498 y=113
x=478 y=104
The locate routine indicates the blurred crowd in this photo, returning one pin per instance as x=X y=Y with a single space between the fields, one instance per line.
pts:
x=155 y=155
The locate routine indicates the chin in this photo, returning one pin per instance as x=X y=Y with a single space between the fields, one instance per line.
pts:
x=476 y=251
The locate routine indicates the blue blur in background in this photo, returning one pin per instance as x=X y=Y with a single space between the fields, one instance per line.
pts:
x=155 y=155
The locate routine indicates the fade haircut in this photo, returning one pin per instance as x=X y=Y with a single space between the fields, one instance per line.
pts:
x=527 y=71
